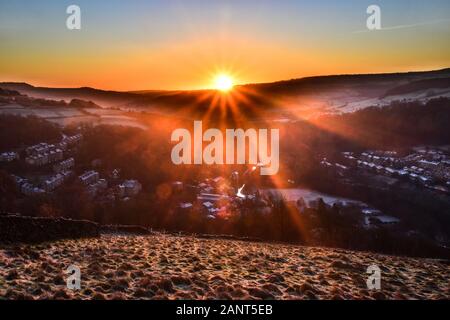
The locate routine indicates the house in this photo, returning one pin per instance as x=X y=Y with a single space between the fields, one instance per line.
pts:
x=8 y=156
x=390 y=171
x=340 y=168
x=55 y=155
x=25 y=187
x=384 y=220
x=72 y=140
x=53 y=182
x=424 y=180
x=30 y=190
x=64 y=165
x=62 y=145
x=371 y=212
x=130 y=188
x=37 y=149
x=402 y=173
x=208 y=204
x=89 y=177
x=325 y=163
x=43 y=154
x=97 y=186
x=211 y=197
x=177 y=186
x=185 y=205
x=428 y=164
x=37 y=160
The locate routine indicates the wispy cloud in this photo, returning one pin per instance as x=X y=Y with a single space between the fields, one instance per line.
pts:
x=406 y=26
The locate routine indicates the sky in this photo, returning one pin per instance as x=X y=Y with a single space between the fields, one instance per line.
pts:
x=167 y=44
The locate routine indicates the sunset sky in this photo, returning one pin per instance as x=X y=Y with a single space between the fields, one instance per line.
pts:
x=137 y=45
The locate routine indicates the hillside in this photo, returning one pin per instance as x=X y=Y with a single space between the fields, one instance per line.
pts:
x=302 y=97
x=163 y=266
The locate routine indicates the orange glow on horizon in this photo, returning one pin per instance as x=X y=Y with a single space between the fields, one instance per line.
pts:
x=192 y=63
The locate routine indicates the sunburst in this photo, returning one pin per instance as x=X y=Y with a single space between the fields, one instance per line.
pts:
x=223 y=82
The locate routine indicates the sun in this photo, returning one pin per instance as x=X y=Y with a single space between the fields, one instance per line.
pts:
x=223 y=82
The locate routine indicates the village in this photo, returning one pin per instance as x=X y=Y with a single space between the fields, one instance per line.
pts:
x=425 y=167
x=48 y=166
x=51 y=165
x=222 y=197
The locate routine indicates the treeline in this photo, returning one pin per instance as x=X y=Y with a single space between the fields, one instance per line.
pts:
x=399 y=125
x=17 y=131
x=9 y=93
x=425 y=84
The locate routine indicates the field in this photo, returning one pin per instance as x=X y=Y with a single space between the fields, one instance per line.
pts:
x=164 y=266
x=68 y=116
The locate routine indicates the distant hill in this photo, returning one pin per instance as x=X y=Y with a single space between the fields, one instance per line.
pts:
x=304 y=96
x=102 y=97
x=338 y=81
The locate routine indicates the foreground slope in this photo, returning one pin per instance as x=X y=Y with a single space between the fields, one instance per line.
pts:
x=173 y=267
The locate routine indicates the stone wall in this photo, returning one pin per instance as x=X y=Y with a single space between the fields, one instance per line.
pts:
x=33 y=230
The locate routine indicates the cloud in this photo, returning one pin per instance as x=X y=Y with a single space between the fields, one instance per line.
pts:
x=405 y=26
